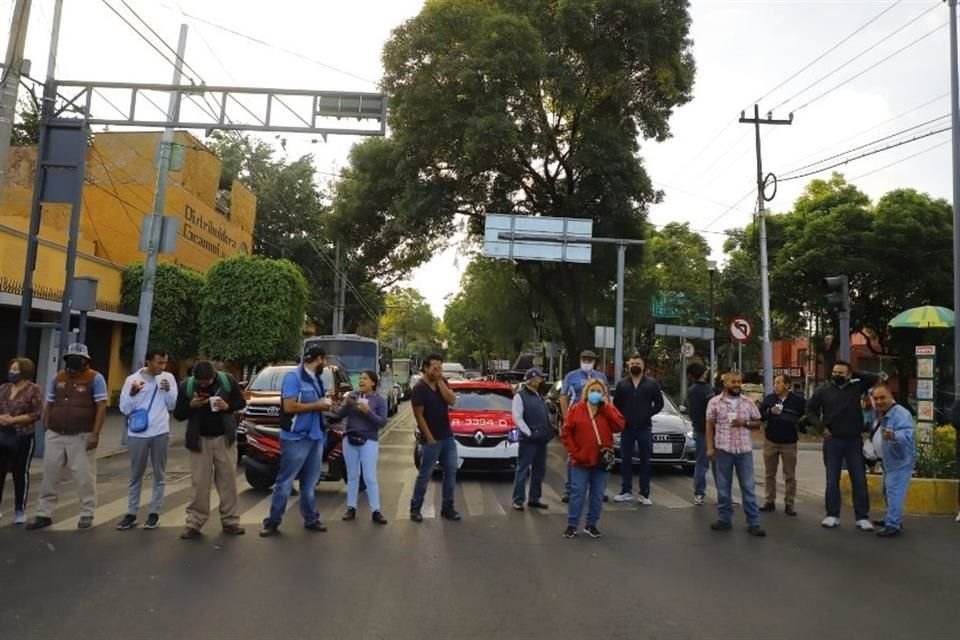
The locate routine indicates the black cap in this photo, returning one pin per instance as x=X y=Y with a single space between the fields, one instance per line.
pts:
x=313 y=352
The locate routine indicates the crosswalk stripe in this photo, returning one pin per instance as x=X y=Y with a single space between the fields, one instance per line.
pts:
x=429 y=509
x=403 y=502
x=473 y=496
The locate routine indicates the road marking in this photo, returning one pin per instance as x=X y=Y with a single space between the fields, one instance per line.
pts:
x=429 y=509
x=403 y=502
x=473 y=496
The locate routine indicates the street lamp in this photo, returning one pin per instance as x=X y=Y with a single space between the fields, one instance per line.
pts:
x=711 y=269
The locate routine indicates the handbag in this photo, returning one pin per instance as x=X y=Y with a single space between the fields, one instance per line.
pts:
x=139 y=419
x=870 y=453
x=607 y=459
x=9 y=439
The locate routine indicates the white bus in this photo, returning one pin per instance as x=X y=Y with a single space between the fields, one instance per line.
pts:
x=355 y=353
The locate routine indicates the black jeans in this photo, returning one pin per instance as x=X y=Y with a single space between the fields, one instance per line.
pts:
x=836 y=451
x=17 y=462
x=642 y=440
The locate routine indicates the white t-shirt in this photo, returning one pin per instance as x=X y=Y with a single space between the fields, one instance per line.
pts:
x=163 y=404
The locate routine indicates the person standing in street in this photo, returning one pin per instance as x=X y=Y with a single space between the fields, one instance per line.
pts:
x=366 y=414
x=21 y=402
x=781 y=411
x=899 y=452
x=835 y=408
x=207 y=400
x=571 y=392
x=587 y=433
x=301 y=442
x=73 y=416
x=730 y=417
x=638 y=398
x=431 y=400
x=532 y=417
x=699 y=394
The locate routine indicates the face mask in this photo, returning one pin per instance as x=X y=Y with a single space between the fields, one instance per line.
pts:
x=594 y=397
x=637 y=371
x=839 y=380
x=73 y=363
x=586 y=367
x=13 y=377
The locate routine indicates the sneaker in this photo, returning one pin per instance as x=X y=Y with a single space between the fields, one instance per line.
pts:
x=85 y=522
x=518 y=506
x=39 y=522
x=789 y=510
x=269 y=529
x=957 y=519
x=189 y=533
x=757 y=531
x=626 y=496
x=350 y=515
x=721 y=525
x=888 y=532
x=378 y=518
x=768 y=506
x=864 y=525
x=415 y=515
x=565 y=498
x=830 y=522
x=592 y=531
x=606 y=498
x=234 y=529
x=698 y=500
x=153 y=521
x=538 y=505
x=127 y=523
x=570 y=532
x=19 y=517
x=645 y=501
x=317 y=526
x=450 y=514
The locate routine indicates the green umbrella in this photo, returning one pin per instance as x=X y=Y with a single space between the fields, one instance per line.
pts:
x=926 y=317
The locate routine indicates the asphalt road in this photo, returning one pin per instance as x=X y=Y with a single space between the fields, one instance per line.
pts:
x=658 y=573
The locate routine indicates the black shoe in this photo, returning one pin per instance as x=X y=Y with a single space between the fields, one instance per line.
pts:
x=768 y=506
x=128 y=522
x=789 y=510
x=234 y=529
x=888 y=532
x=415 y=515
x=720 y=525
x=518 y=506
x=592 y=531
x=565 y=498
x=538 y=505
x=153 y=521
x=38 y=523
x=879 y=523
x=757 y=531
x=606 y=498
x=570 y=532
x=317 y=526
x=269 y=529
x=450 y=514
x=351 y=514
x=378 y=518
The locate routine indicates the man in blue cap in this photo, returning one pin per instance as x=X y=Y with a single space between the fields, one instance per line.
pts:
x=532 y=418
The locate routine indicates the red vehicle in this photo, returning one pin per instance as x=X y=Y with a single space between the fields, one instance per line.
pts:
x=482 y=425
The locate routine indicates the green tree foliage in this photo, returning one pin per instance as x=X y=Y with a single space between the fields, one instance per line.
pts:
x=177 y=299
x=26 y=130
x=408 y=324
x=253 y=310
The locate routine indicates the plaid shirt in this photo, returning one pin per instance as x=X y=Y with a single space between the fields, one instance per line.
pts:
x=728 y=438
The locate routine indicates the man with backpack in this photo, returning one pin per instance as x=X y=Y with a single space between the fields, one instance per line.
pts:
x=207 y=400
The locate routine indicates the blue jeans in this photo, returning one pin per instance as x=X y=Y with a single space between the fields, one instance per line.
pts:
x=895 y=483
x=531 y=461
x=363 y=457
x=726 y=463
x=701 y=466
x=444 y=451
x=642 y=439
x=836 y=451
x=301 y=459
x=583 y=478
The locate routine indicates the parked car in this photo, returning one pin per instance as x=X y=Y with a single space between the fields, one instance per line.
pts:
x=673 y=444
x=454 y=371
x=482 y=425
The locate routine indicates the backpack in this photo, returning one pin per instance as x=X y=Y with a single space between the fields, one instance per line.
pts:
x=222 y=377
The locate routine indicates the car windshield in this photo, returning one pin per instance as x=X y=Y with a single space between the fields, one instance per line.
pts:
x=483 y=400
x=354 y=355
x=269 y=379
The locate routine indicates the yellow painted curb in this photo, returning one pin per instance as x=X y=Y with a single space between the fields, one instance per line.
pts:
x=925 y=496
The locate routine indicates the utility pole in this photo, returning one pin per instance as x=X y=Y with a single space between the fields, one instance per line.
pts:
x=156 y=227
x=764 y=275
x=10 y=85
x=334 y=329
x=955 y=108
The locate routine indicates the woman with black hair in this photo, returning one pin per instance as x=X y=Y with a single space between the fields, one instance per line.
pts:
x=366 y=414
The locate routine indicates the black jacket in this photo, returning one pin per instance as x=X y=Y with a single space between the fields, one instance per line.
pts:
x=639 y=403
x=838 y=408
x=698 y=396
x=225 y=420
x=783 y=428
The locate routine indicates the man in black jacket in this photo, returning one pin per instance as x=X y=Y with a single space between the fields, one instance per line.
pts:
x=638 y=398
x=835 y=408
x=698 y=395
x=781 y=412
x=207 y=401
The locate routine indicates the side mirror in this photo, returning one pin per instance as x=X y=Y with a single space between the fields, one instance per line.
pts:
x=243 y=385
x=683 y=409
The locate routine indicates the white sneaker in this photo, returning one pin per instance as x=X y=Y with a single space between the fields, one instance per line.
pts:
x=19 y=517
x=645 y=501
x=957 y=519
x=831 y=523
x=864 y=525
x=623 y=497
x=698 y=499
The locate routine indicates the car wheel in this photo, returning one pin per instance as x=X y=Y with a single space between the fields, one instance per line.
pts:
x=258 y=481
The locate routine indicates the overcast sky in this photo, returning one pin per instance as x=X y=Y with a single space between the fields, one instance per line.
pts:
x=743 y=50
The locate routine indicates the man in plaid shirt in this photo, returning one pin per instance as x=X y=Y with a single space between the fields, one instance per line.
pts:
x=730 y=417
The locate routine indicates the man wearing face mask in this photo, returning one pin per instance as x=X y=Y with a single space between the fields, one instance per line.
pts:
x=570 y=394
x=638 y=398
x=835 y=409
x=73 y=417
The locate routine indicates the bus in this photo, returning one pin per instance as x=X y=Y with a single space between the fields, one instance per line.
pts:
x=402 y=369
x=354 y=354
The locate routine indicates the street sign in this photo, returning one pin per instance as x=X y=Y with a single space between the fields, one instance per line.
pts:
x=550 y=249
x=682 y=331
x=604 y=337
x=687 y=350
x=740 y=329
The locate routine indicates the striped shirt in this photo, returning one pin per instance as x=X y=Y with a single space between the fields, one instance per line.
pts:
x=722 y=410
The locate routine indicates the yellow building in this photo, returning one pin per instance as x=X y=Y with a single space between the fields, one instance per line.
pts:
x=118 y=191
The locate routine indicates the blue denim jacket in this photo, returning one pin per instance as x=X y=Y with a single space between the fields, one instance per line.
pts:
x=899 y=452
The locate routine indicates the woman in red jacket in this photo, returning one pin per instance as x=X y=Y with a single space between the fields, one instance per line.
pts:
x=588 y=428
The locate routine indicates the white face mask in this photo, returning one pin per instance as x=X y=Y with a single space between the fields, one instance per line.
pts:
x=586 y=367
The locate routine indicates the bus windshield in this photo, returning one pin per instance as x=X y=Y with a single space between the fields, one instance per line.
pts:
x=353 y=355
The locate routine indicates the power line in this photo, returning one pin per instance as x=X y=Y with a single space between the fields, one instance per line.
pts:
x=752 y=192
x=911 y=156
x=142 y=37
x=160 y=38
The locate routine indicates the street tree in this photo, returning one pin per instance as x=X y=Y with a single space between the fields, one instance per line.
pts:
x=408 y=321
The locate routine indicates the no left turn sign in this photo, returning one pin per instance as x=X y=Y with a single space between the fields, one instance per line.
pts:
x=740 y=329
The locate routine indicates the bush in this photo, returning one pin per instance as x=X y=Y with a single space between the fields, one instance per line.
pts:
x=938 y=459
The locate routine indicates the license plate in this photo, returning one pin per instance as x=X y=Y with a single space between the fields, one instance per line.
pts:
x=662 y=447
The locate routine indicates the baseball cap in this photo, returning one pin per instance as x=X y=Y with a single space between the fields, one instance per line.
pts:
x=533 y=372
x=78 y=349
x=586 y=353
x=313 y=352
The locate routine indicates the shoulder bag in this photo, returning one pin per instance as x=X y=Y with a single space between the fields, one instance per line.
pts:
x=607 y=459
x=139 y=420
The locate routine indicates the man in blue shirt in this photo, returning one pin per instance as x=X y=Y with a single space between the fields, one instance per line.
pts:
x=899 y=452
x=301 y=441
x=570 y=393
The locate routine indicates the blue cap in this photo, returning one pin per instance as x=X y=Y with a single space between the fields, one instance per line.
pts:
x=533 y=373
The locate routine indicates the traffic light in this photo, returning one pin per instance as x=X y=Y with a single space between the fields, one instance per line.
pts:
x=838 y=292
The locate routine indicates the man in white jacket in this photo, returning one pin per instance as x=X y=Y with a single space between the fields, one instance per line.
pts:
x=152 y=391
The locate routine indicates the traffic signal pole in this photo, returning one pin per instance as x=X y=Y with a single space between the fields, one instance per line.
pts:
x=955 y=109
x=838 y=295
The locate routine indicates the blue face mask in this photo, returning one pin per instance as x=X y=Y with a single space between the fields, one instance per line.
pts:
x=13 y=377
x=594 y=397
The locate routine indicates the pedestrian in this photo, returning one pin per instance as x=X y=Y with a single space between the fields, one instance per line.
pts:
x=899 y=452
x=638 y=398
x=73 y=416
x=207 y=400
x=699 y=394
x=532 y=418
x=571 y=392
x=366 y=414
x=835 y=408
x=431 y=400
x=21 y=402
x=781 y=412
x=147 y=398
x=730 y=417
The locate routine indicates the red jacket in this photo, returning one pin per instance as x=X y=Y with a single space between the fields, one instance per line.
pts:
x=579 y=438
